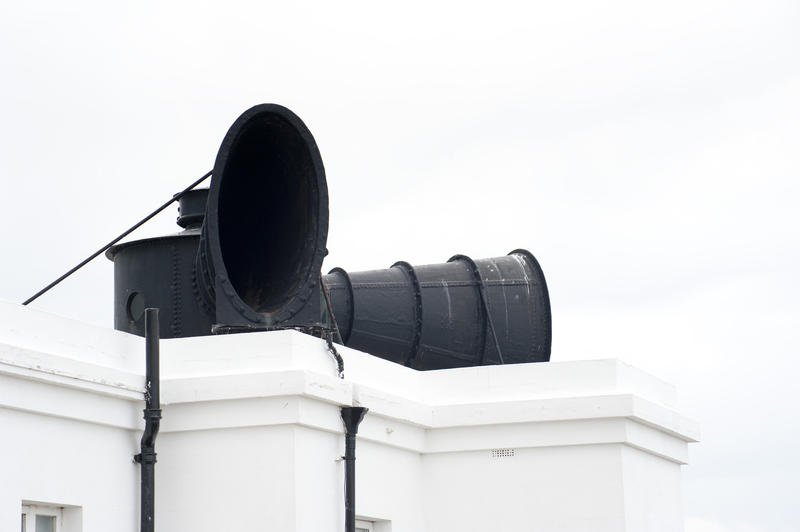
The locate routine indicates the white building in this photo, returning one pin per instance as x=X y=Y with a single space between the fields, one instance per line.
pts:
x=251 y=438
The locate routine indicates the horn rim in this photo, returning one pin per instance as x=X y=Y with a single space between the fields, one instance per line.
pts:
x=310 y=277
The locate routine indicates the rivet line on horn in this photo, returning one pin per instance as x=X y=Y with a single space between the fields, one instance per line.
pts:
x=408 y=269
x=476 y=274
x=536 y=269
x=227 y=286
x=348 y=286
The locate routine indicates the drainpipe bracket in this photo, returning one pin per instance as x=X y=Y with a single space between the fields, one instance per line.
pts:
x=145 y=457
x=152 y=413
x=352 y=416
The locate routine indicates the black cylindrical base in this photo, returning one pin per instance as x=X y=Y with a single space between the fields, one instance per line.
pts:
x=160 y=273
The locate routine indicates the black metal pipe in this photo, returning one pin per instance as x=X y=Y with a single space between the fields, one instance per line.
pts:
x=352 y=416
x=152 y=417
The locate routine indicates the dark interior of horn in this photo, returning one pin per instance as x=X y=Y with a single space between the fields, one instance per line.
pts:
x=267 y=212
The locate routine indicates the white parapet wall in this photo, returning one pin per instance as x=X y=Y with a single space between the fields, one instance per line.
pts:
x=252 y=439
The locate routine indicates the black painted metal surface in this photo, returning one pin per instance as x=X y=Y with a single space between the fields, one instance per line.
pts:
x=352 y=417
x=461 y=313
x=152 y=419
x=160 y=272
x=250 y=255
x=255 y=261
x=266 y=223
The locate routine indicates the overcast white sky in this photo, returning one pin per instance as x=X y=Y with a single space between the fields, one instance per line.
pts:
x=647 y=154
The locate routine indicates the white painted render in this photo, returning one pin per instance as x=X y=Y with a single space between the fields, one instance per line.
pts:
x=251 y=437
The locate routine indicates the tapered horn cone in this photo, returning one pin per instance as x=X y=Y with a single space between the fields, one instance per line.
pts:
x=460 y=313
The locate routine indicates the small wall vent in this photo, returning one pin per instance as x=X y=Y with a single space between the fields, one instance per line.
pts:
x=502 y=453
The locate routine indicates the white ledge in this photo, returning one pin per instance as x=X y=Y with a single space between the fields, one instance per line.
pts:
x=285 y=377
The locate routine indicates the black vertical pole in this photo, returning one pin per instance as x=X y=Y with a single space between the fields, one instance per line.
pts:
x=352 y=416
x=152 y=417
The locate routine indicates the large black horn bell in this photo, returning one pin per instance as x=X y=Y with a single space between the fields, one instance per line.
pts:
x=255 y=262
x=267 y=222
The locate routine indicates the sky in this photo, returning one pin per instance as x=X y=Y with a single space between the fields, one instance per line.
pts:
x=646 y=153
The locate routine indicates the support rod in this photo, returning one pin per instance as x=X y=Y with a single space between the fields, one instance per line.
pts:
x=152 y=417
x=352 y=416
x=130 y=230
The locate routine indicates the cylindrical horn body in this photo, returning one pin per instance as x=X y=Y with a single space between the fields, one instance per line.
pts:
x=251 y=255
x=460 y=313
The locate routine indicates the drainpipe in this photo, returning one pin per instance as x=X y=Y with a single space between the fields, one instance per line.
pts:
x=152 y=416
x=352 y=416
